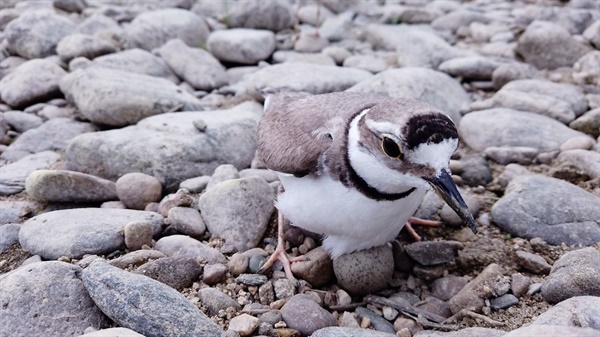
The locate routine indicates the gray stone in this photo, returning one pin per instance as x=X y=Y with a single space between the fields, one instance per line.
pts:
x=446 y=287
x=81 y=45
x=549 y=330
x=215 y=300
x=519 y=284
x=548 y=208
x=196 y=184
x=267 y=175
x=416 y=46
x=579 y=311
x=244 y=324
x=12 y=176
x=507 y=72
x=136 y=258
x=430 y=86
x=369 y=63
x=22 y=121
x=365 y=271
x=283 y=56
x=223 y=173
x=97 y=23
x=430 y=253
x=252 y=279
x=547 y=45
x=136 y=61
x=9 y=234
x=317 y=269
x=136 y=190
x=176 y=272
x=378 y=322
x=138 y=234
x=145 y=305
x=338 y=27
x=32 y=82
x=576 y=273
x=169 y=147
x=35 y=34
x=113 y=332
x=186 y=221
x=33 y=305
x=302 y=313
x=512 y=154
x=489 y=283
x=467 y=332
x=584 y=161
x=273 y=15
x=52 y=135
x=12 y=211
x=313 y=14
x=587 y=69
x=239 y=45
x=284 y=288
x=194 y=65
x=181 y=245
x=588 y=123
x=118 y=98
x=76 y=232
x=238 y=211
x=592 y=34
x=503 y=302
x=449 y=216
x=456 y=19
x=238 y=263
x=532 y=262
x=349 y=332
x=313 y=78
x=152 y=29
x=481 y=129
x=575 y=20
x=68 y=186
x=180 y=198
x=470 y=68
x=310 y=42
x=214 y=273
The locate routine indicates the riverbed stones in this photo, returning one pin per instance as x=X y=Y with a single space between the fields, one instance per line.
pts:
x=241 y=45
x=68 y=186
x=32 y=82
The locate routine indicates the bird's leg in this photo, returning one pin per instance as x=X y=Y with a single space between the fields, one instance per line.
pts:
x=419 y=222
x=280 y=253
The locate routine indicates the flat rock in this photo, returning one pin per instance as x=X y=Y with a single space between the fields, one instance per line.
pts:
x=467 y=332
x=430 y=86
x=532 y=262
x=273 y=15
x=138 y=61
x=181 y=245
x=223 y=173
x=118 y=98
x=238 y=211
x=579 y=311
x=379 y=323
x=313 y=78
x=430 y=253
x=291 y=56
x=576 y=273
x=446 y=287
x=136 y=258
x=471 y=67
x=142 y=304
x=169 y=146
x=585 y=161
x=68 y=186
x=152 y=29
x=76 y=232
x=82 y=45
x=502 y=127
x=215 y=300
x=302 y=313
x=32 y=82
x=176 y=272
x=22 y=121
x=194 y=65
x=547 y=45
x=13 y=175
x=365 y=271
x=549 y=330
x=244 y=324
x=349 y=332
x=369 y=63
x=548 y=208
x=113 y=332
x=37 y=297
x=489 y=283
x=35 y=34
x=240 y=45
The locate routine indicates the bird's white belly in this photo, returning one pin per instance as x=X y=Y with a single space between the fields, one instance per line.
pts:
x=350 y=220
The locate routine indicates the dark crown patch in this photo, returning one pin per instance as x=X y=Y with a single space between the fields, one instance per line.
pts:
x=431 y=128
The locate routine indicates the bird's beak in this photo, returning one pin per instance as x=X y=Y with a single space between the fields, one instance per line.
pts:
x=444 y=186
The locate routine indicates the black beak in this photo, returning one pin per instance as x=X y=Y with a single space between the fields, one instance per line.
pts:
x=446 y=189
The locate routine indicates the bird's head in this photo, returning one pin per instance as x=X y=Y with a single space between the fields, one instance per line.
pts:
x=403 y=143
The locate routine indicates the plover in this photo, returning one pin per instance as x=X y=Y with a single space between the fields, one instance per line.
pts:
x=355 y=167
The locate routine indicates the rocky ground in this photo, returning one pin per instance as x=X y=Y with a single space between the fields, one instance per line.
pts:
x=131 y=202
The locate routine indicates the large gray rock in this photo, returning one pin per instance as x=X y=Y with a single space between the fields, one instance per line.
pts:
x=76 y=45
x=430 y=86
x=238 y=211
x=37 y=298
x=68 y=186
x=52 y=135
x=245 y=46
x=32 y=82
x=35 y=34
x=12 y=176
x=313 y=78
x=76 y=232
x=196 y=66
x=302 y=313
x=136 y=61
x=172 y=147
x=501 y=127
x=576 y=273
x=151 y=30
x=580 y=311
x=547 y=45
x=142 y=304
x=119 y=98
x=549 y=208
x=273 y=15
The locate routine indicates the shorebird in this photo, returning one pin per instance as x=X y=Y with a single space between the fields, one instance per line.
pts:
x=355 y=167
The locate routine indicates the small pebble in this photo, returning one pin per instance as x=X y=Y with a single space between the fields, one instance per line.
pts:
x=138 y=234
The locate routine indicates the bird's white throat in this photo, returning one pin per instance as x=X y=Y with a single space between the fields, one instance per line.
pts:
x=373 y=171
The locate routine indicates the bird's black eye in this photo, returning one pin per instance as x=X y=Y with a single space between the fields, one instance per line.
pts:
x=391 y=148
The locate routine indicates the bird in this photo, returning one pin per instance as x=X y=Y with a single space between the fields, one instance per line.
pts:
x=355 y=167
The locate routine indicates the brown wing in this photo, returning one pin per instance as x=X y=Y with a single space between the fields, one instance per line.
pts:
x=296 y=129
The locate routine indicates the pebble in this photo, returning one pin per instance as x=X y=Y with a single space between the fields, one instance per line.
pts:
x=214 y=273
x=49 y=186
x=136 y=258
x=244 y=324
x=576 y=273
x=366 y=62
x=82 y=45
x=489 y=283
x=317 y=269
x=137 y=61
x=349 y=332
x=446 y=287
x=181 y=198
x=251 y=279
x=241 y=45
x=540 y=203
x=9 y=234
x=379 y=323
x=310 y=42
x=31 y=82
x=186 y=221
x=195 y=185
x=284 y=288
x=429 y=253
x=76 y=232
x=302 y=313
x=136 y=190
x=365 y=271
x=586 y=70
x=223 y=173
x=176 y=272
x=588 y=123
x=289 y=56
x=34 y=306
x=274 y=15
x=22 y=121
x=503 y=302
x=470 y=67
x=519 y=284
x=215 y=300
x=165 y=311
x=137 y=234
x=181 y=245
x=435 y=306
x=584 y=161
x=533 y=262
x=113 y=332
x=13 y=175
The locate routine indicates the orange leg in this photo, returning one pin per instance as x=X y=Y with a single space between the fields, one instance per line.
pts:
x=419 y=222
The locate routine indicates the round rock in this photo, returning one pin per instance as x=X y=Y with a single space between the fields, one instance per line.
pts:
x=576 y=273
x=302 y=313
x=186 y=221
x=239 y=45
x=138 y=234
x=32 y=82
x=181 y=245
x=136 y=190
x=366 y=271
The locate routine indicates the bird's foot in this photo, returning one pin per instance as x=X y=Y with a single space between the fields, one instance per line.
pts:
x=419 y=222
x=287 y=260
